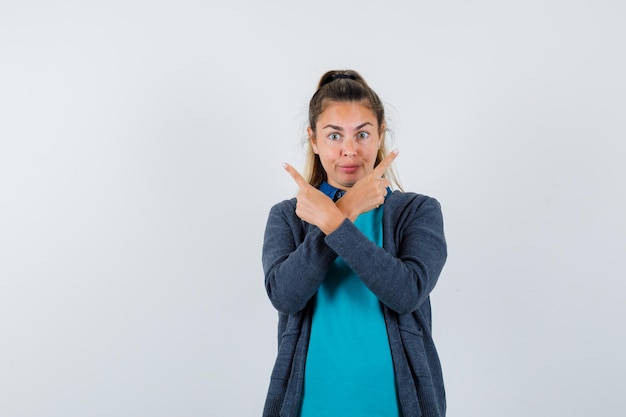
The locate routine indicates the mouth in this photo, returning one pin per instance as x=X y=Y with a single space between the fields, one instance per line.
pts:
x=348 y=169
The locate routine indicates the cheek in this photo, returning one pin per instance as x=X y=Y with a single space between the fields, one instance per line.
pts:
x=327 y=160
x=327 y=153
x=373 y=151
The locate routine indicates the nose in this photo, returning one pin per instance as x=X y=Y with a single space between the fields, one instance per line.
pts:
x=349 y=148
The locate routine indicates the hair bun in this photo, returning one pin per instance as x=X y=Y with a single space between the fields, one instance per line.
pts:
x=331 y=76
x=340 y=76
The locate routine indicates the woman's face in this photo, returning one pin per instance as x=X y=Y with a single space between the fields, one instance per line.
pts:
x=347 y=140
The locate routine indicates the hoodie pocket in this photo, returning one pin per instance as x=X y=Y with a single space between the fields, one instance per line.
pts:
x=413 y=342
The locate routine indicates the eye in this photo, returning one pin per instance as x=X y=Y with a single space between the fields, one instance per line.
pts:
x=362 y=135
x=334 y=136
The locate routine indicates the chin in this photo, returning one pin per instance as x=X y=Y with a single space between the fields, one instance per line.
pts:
x=348 y=184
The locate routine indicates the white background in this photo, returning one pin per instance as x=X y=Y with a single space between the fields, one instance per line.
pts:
x=140 y=151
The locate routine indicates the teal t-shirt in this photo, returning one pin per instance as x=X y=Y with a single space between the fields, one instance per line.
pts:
x=349 y=370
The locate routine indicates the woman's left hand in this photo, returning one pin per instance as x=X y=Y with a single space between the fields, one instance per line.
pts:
x=313 y=206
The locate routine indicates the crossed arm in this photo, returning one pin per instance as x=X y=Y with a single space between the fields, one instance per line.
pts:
x=366 y=194
x=296 y=258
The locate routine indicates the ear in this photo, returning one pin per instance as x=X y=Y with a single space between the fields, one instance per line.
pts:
x=381 y=136
x=312 y=139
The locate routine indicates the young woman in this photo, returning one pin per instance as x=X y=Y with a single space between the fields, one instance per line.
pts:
x=349 y=265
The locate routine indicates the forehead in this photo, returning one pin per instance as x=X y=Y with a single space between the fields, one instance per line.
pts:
x=347 y=112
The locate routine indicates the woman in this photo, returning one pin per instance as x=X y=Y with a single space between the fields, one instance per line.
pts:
x=349 y=265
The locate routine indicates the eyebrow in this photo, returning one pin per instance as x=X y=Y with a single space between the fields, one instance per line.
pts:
x=341 y=129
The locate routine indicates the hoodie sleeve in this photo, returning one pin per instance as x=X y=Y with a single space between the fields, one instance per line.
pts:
x=405 y=271
x=295 y=258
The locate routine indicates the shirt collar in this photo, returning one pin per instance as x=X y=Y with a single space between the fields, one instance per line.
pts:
x=336 y=193
x=332 y=192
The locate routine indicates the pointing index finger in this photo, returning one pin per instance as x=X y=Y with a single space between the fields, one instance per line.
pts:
x=385 y=163
x=302 y=183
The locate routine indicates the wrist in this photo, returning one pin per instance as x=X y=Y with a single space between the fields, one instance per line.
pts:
x=333 y=222
x=345 y=208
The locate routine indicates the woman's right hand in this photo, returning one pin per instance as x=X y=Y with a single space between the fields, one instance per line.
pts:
x=369 y=192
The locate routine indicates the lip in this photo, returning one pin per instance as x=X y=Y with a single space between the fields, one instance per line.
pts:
x=349 y=169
